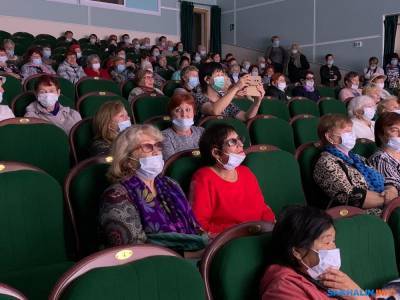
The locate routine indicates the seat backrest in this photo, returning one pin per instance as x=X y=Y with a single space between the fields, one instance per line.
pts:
x=31 y=202
x=365 y=148
x=36 y=142
x=81 y=138
x=243 y=103
x=331 y=106
x=325 y=91
x=181 y=166
x=12 y=88
x=240 y=127
x=161 y=122
x=169 y=87
x=145 y=107
x=83 y=188
x=270 y=130
x=274 y=107
x=126 y=87
x=278 y=175
x=9 y=293
x=235 y=261
x=301 y=106
x=304 y=129
x=307 y=156
x=139 y=272
x=95 y=84
x=366 y=241
x=90 y=103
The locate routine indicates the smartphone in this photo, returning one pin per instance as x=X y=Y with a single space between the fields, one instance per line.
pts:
x=251 y=90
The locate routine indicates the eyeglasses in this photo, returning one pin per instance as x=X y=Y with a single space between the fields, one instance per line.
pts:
x=239 y=141
x=147 y=148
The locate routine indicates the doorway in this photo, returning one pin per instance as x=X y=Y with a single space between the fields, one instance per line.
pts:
x=201 y=27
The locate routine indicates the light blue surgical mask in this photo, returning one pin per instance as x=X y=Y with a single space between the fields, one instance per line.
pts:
x=124 y=125
x=120 y=68
x=218 y=83
x=183 y=123
x=275 y=43
x=150 y=167
x=193 y=82
x=46 y=53
x=10 y=52
x=37 y=61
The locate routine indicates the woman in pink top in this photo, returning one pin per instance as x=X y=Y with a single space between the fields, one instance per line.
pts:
x=225 y=193
x=351 y=89
x=305 y=259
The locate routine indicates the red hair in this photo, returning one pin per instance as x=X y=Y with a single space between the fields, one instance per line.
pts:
x=178 y=99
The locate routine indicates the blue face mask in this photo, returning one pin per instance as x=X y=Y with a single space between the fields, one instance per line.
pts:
x=124 y=125
x=10 y=52
x=37 y=61
x=120 y=68
x=219 y=83
x=193 y=82
x=46 y=53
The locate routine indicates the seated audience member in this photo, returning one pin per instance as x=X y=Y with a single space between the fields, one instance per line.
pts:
x=11 y=69
x=141 y=202
x=225 y=179
x=158 y=80
x=387 y=159
x=162 y=43
x=216 y=57
x=125 y=41
x=245 y=66
x=13 y=59
x=330 y=74
x=35 y=64
x=261 y=62
x=189 y=81
x=183 y=62
x=234 y=73
x=254 y=70
x=120 y=72
x=216 y=99
x=379 y=80
x=145 y=85
x=169 y=50
x=162 y=68
x=277 y=89
x=46 y=55
x=277 y=55
x=94 y=40
x=68 y=37
x=136 y=46
x=69 y=68
x=94 y=69
x=362 y=110
x=392 y=71
x=110 y=120
x=298 y=64
x=196 y=59
x=342 y=175
x=179 y=48
x=182 y=135
x=305 y=262
x=390 y=104
x=155 y=52
x=145 y=43
x=202 y=51
x=121 y=53
x=307 y=89
x=112 y=44
x=267 y=76
x=351 y=89
x=373 y=91
x=79 y=57
x=5 y=111
x=48 y=108
x=372 y=70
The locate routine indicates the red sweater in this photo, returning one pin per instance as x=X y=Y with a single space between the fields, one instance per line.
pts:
x=102 y=74
x=219 y=204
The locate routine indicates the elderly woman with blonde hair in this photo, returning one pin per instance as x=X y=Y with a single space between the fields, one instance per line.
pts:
x=362 y=110
x=142 y=204
x=390 y=104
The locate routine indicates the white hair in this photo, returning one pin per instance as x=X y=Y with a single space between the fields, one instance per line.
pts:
x=358 y=104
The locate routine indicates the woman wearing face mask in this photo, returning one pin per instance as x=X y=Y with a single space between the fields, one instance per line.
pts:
x=245 y=66
x=225 y=180
x=298 y=64
x=12 y=58
x=69 y=68
x=34 y=64
x=261 y=64
x=48 y=108
x=5 y=67
x=145 y=85
x=305 y=262
x=5 y=111
x=189 y=81
x=110 y=120
x=234 y=73
x=215 y=98
x=362 y=111
x=344 y=176
x=307 y=89
x=373 y=69
x=94 y=69
x=379 y=81
x=387 y=159
x=351 y=89
x=46 y=57
x=392 y=71
x=183 y=62
x=142 y=203
x=120 y=72
x=267 y=76
x=277 y=90
x=182 y=135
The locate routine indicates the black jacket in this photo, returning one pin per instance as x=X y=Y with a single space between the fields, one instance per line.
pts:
x=276 y=93
x=299 y=91
x=295 y=73
x=328 y=73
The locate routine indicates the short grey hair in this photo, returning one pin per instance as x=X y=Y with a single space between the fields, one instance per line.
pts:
x=358 y=103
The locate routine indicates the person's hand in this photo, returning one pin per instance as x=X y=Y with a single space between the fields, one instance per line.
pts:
x=390 y=193
x=242 y=93
x=260 y=89
x=243 y=82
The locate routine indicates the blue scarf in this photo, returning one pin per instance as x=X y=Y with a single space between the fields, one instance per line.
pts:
x=374 y=179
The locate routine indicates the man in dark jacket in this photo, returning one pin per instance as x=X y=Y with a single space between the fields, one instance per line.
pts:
x=330 y=74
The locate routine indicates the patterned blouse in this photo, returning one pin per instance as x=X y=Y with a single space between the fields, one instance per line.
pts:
x=343 y=184
x=388 y=166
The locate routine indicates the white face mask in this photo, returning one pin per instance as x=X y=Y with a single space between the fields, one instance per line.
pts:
x=197 y=58
x=203 y=52
x=96 y=66
x=294 y=51
x=93 y=41
x=37 y=61
x=327 y=259
x=124 y=125
x=348 y=141
x=254 y=73
x=262 y=65
x=394 y=143
x=234 y=161
x=150 y=167
x=78 y=54
x=354 y=86
x=183 y=123
x=330 y=62
x=282 y=86
x=47 y=99
x=3 y=59
x=381 y=85
x=369 y=113
x=156 y=53
x=310 y=83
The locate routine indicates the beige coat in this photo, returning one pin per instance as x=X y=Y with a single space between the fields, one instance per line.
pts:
x=65 y=118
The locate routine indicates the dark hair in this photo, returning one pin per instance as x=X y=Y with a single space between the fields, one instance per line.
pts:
x=394 y=55
x=252 y=67
x=47 y=80
x=213 y=137
x=327 y=56
x=297 y=227
x=373 y=58
x=208 y=69
x=161 y=37
x=154 y=47
x=228 y=54
x=308 y=72
x=384 y=121
x=184 y=58
x=214 y=54
x=37 y=50
x=349 y=76
x=68 y=31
